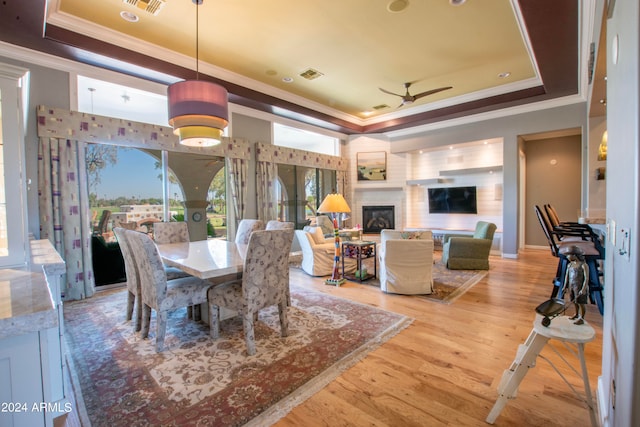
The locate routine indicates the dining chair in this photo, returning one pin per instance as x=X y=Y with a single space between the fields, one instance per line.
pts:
x=274 y=224
x=265 y=282
x=133 y=281
x=158 y=293
x=246 y=227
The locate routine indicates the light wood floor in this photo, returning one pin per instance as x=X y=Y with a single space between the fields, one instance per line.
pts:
x=445 y=367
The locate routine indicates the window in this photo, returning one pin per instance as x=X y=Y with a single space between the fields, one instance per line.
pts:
x=300 y=190
x=13 y=231
x=286 y=136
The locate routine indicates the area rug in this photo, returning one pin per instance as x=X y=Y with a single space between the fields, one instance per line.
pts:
x=198 y=381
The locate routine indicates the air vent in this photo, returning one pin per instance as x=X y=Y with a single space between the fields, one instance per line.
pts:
x=380 y=107
x=150 y=6
x=311 y=74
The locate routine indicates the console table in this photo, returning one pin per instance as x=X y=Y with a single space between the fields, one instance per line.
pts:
x=359 y=250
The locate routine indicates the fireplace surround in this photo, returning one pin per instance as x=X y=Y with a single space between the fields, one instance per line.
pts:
x=377 y=218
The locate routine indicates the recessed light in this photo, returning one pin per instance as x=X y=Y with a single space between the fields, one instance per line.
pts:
x=287 y=79
x=396 y=6
x=129 y=16
x=504 y=75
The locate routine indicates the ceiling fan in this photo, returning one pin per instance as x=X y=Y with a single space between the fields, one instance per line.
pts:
x=407 y=98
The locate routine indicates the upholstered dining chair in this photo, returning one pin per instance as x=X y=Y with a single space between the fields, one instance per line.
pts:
x=157 y=292
x=246 y=227
x=265 y=281
x=133 y=281
x=274 y=224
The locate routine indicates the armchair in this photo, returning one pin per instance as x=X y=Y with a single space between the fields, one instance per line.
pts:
x=406 y=262
x=463 y=252
x=318 y=253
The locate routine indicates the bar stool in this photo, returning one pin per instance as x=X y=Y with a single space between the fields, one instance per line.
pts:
x=561 y=329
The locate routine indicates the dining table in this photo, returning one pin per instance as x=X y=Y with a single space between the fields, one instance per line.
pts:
x=215 y=260
x=207 y=259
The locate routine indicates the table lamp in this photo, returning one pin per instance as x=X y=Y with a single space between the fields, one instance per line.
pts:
x=335 y=204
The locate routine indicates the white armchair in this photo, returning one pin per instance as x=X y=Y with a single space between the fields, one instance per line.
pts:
x=406 y=262
x=318 y=253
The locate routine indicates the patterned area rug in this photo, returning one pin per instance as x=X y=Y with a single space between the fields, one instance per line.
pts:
x=197 y=381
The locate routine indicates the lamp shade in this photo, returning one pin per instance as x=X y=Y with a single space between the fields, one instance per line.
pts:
x=334 y=203
x=198 y=112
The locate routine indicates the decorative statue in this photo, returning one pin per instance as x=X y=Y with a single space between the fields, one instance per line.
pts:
x=577 y=277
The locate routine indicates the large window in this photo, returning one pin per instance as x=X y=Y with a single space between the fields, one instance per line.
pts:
x=13 y=234
x=286 y=136
x=300 y=190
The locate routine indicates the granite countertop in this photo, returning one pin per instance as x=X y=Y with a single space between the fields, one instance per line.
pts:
x=26 y=303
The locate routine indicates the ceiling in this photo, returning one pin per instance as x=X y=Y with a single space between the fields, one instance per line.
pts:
x=258 y=50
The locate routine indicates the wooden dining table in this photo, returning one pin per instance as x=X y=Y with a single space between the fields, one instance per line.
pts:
x=206 y=259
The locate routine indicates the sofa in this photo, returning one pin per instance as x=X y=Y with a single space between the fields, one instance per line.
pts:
x=318 y=253
x=406 y=262
x=465 y=252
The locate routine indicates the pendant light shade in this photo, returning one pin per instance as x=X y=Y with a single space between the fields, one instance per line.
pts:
x=198 y=110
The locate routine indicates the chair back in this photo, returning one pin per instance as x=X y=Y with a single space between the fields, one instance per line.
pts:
x=274 y=224
x=265 y=276
x=133 y=281
x=153 y=280
x=546 y=228
x=484 y=230
x=170 y=232
x=552 y=215
x=246 y=227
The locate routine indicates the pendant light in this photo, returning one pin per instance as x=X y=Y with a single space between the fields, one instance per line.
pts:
x=198 y=110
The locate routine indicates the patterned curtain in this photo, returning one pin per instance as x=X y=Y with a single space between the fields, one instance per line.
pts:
x=64 y=211
x=237 y=172
x=267 y=174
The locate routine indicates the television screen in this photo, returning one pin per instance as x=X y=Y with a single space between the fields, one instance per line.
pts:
x=453 y=200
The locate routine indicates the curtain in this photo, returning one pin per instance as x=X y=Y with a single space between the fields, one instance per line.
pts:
x=64 y=211
x=237 y=172
x=267 y=173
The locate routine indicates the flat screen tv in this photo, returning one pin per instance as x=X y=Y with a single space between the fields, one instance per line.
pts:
x=453 y=200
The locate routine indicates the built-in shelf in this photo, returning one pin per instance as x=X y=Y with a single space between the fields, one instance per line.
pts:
x=428 y=181
x=468 y=171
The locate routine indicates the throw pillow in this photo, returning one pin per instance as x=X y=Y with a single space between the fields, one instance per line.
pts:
x=318 y=236
x=411 y=235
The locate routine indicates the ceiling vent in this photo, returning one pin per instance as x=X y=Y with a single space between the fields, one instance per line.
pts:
x=311 y=74
x=380 y=107
x=150 y=6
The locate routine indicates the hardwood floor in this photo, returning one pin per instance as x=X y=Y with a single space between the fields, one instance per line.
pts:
x=444 y=368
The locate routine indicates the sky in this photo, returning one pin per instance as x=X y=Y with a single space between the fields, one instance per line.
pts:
x=134 y=175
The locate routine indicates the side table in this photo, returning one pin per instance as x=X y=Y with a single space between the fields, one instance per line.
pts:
x=359 y=250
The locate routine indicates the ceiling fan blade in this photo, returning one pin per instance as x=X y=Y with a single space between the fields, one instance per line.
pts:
x=431 y=92
x=390 y=93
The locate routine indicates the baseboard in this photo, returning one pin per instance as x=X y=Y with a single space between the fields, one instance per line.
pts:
x=510 y=256
x=601 y=403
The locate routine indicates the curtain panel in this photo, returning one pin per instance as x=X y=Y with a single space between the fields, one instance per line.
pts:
x=237 y=172
x=64 y=211
x=266 y=175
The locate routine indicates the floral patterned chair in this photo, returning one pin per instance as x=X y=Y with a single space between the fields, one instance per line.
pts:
x=158 y=293
x=246 y=227
x=133 y=282
x=170 y=232
x=265 y=282
x=274 y=224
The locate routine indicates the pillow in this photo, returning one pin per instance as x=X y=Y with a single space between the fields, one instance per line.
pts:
x=317 y=235
x=411 y=235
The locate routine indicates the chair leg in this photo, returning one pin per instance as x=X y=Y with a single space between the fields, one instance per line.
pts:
x=214 y=321
x=146 y=320
x=284 y=320
x=249 y=333
x=138 y=314
x=131 y=297
x=288 y=296
x=161 y=329
x=197 y=316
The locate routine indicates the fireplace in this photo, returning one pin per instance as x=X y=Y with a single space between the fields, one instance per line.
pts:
x=377 y=218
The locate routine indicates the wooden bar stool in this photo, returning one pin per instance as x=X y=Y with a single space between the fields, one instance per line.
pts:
x=561 y=329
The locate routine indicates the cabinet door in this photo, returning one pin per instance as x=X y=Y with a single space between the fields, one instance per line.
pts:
x=20 y=381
